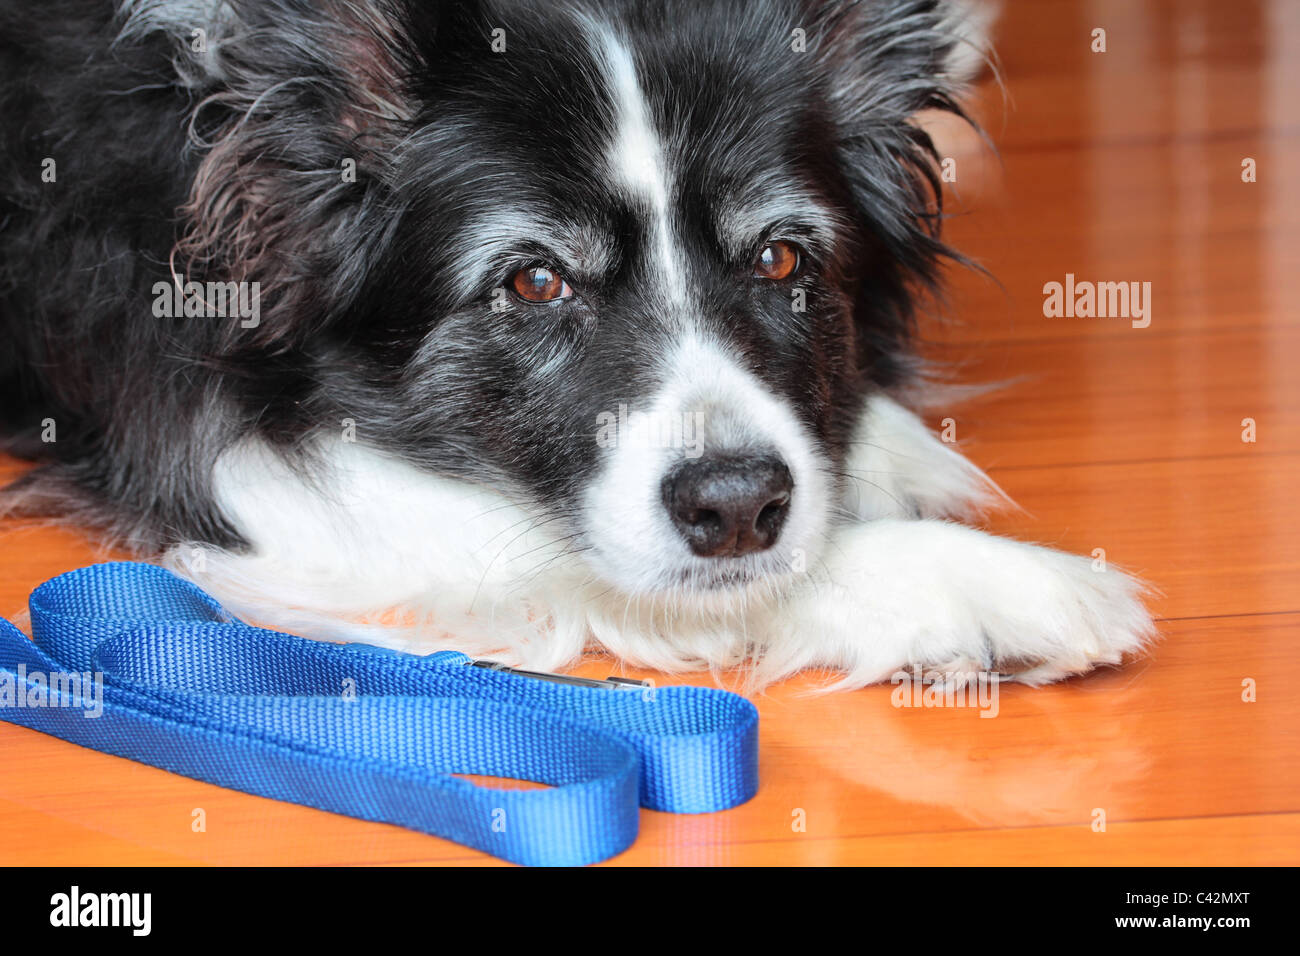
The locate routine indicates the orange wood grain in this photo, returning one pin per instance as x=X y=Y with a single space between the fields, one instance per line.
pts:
x=1115 y=166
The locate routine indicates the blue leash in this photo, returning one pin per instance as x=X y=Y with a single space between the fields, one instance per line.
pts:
x=191 y=690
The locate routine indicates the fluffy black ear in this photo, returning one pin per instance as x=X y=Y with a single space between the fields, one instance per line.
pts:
x=885 y=61
x=300 y=107
x=901 y=56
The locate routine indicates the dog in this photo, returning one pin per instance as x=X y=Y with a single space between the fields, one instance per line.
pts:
x=519 y=328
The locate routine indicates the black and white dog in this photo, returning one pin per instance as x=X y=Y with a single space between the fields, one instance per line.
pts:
x=514 y=327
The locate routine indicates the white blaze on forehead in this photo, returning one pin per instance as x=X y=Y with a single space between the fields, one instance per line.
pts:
x=636 y=156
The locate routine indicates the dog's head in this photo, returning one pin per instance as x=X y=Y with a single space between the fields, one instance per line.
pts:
x=637 y=263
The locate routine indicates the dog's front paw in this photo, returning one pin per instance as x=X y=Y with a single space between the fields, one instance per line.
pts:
x=1067 y=614
x=896 y=595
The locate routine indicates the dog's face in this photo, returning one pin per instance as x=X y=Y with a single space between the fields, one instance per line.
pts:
x=643 y=247
x=642 y=262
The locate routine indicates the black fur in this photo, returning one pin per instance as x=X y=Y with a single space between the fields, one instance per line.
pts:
x=227 y=166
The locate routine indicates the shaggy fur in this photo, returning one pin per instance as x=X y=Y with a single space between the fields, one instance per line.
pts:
x=397 y=439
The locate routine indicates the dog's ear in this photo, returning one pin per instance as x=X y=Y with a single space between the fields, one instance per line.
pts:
x=300 y=111
x=884 y=62
x=897 y=57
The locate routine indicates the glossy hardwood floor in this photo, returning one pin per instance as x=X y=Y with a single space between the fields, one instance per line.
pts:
x=1116 y=166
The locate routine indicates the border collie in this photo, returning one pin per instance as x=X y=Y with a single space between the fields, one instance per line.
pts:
x=516 y=327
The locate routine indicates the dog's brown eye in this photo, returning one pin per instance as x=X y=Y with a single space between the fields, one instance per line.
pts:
x=539 y=285
x=778 y=260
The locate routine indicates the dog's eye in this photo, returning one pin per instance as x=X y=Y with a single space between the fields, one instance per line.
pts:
x=778 y=260
x=539 y=284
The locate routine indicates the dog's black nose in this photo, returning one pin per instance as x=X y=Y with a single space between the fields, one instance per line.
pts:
x=726 y=507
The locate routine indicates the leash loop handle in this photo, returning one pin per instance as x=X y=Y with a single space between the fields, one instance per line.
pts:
x=366 y=732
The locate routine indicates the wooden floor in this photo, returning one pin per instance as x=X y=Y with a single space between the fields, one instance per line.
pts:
x=1122 y=165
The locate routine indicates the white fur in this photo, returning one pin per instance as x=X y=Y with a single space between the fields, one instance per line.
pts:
x=371 y=548
x=492 y=237
x=895 y=594
x=636 y=156
x=634 y=543
x=748 y=219
x=377 y=551
x=898 y=469
x=971 y=22
x=180 y=19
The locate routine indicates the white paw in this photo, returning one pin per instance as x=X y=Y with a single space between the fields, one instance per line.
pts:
x=895 y=595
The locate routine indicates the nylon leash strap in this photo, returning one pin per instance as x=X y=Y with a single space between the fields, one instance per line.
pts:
x=367 y=732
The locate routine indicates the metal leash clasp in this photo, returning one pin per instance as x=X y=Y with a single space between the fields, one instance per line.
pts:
x=608 y=683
